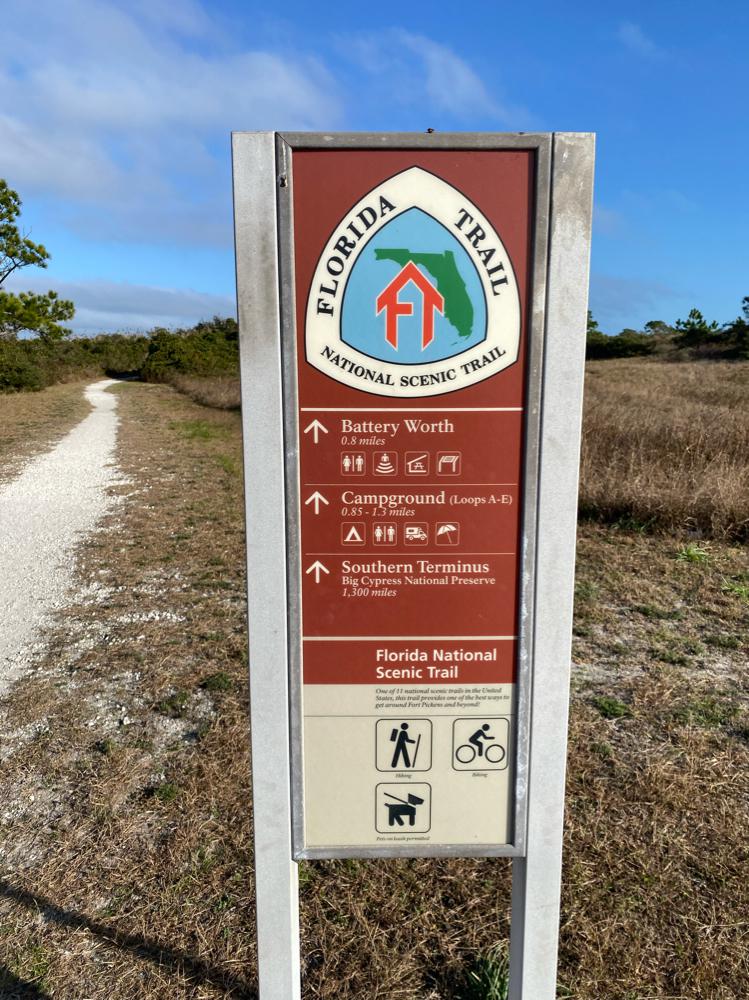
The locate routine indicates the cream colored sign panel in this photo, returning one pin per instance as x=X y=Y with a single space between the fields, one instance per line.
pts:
x=407 y=777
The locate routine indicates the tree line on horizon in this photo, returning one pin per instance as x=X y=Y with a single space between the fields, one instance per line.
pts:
x=50 y=354
x=693 y=337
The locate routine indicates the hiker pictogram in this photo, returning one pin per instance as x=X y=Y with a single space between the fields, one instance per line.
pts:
x=404 y=744
x=394 y=308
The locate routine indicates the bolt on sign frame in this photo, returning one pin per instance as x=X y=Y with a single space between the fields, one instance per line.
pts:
x=283 y=185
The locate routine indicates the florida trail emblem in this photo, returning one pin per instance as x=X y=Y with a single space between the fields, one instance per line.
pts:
x=414 y=294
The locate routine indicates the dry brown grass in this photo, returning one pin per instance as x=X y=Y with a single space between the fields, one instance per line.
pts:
x=657 y=838
x=30 y=422
x=125 y=840
x=666 y=445
x=221 y=393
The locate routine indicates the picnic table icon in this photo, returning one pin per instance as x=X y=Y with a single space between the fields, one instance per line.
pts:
x=401 y=809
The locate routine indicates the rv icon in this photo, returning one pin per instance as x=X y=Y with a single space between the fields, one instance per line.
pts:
x=416 y=533
x=403 y=807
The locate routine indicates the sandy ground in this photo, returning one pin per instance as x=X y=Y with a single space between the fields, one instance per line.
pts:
x=45 y=512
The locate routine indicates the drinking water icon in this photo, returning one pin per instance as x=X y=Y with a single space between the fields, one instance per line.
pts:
x=403 y=807
x=403 y=744
x=385 y=463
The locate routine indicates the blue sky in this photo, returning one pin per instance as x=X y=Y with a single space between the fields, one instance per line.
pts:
x=115 y=121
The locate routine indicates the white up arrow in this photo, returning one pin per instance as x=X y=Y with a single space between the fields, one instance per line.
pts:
x=317 y=568
x=317 y=498
x=315 y=427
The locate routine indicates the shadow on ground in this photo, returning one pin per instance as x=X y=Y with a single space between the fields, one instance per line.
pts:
x=13 y=988
x=153 y=951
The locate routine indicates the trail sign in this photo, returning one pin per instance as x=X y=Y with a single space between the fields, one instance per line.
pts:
x=412 y=316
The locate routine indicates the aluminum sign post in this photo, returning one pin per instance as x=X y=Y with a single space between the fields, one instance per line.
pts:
x=412 y=315
x=276 y=884
x=536 y=876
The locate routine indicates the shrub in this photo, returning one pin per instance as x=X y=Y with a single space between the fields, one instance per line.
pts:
x=207 y=349
x=17 y=369
x=627 y=344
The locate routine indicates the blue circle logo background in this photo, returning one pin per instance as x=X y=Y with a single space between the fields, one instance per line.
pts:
x=414 y=235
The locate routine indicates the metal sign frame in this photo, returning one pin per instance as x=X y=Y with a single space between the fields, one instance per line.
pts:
x=263 y=186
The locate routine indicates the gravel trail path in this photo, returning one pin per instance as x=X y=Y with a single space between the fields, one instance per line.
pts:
x=45 y=512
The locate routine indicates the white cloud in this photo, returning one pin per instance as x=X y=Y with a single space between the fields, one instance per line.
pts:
x=125 y=109
x=634 y=38
x=105 y=306
x=449 y=81
x=609 y=221
x=617 y=302
x=419 y=72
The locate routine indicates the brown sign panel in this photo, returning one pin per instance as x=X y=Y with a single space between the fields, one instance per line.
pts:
x=412 y=273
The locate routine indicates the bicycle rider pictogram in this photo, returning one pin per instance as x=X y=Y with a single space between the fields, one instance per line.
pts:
x=480 y=745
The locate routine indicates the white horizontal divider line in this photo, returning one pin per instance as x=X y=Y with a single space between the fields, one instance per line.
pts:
x=413 y=638
x=414 y=485
x=411 y=409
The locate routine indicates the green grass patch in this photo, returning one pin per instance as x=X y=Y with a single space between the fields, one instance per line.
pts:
x=174 y=705
x=230 y=465
x=32 y=965
x=587 y=591
x=736 y=588
x=306 y=875
x=612 y=708
x=488 y=978
x=723 y=640
x=672 y=656
x=117 y=901
x=709 y=712
x=655 y=613
x=220 y=681
x=693 y=554
x=166 y=793
x=198 y=430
